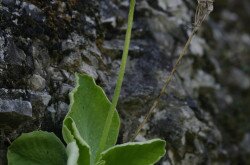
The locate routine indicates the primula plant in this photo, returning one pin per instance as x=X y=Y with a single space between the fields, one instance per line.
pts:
x=91 y=127
x=90 y=130
x=82 y=131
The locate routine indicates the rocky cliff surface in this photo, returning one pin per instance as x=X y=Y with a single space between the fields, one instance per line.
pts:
x=204 y=116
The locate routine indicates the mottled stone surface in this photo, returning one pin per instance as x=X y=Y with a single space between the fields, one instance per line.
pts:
x=204 y=116
x=11 y=108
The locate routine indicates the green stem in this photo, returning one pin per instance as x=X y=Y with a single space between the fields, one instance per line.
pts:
x=119 y=81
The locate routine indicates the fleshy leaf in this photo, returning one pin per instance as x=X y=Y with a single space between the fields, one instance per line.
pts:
x=101 y=163
x=89 y=108
x=37 y=148
x=70 y=133
x=73 y=153
x=67 y=135
x=140 y=153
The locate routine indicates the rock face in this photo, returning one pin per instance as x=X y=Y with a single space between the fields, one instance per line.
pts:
x=204 y=116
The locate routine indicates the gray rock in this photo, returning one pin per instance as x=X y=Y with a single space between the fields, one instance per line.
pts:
x=33 y=11
x=87 y=69
x=40 y=56
x=197 y=46
x=166 y=4
x=17 y=106
x=48 y=41
x=2 y=51
x=65 y=89
x=37 y=83
x=239 y=79
x=62 y=109
x=9 y=2
x=73 y=42
x=14 y=112
x=38 y=101
x=245 y=144
x=73 y=60
x=55 y=74
x=181 y=127
x=14 y=63
x=114 y=48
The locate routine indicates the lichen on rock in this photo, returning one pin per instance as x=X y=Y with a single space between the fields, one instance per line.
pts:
x=204 y=115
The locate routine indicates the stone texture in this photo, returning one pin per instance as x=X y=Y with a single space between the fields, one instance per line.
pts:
x=205 y=114
x=37 y=83
x=14 y=112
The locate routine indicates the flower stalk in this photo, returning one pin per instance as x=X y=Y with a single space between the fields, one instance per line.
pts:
x=120 y=78
x=204 y=8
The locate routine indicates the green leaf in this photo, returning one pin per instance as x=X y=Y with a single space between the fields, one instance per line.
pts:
x=67 y=135
x=70 y=133
x=73 y=153
x=37 y=148
x=140 y=153
x=89 y=108
x=100 y=163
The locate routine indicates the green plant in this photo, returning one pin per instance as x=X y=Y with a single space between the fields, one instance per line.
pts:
x=82 y=131
x=90 y=130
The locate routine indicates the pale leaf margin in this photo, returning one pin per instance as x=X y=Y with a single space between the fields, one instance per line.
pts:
x=135 y=153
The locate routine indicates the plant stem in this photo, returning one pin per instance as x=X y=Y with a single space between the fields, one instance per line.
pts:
x=119 y=80
x=167 y=82
x=204 y=8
